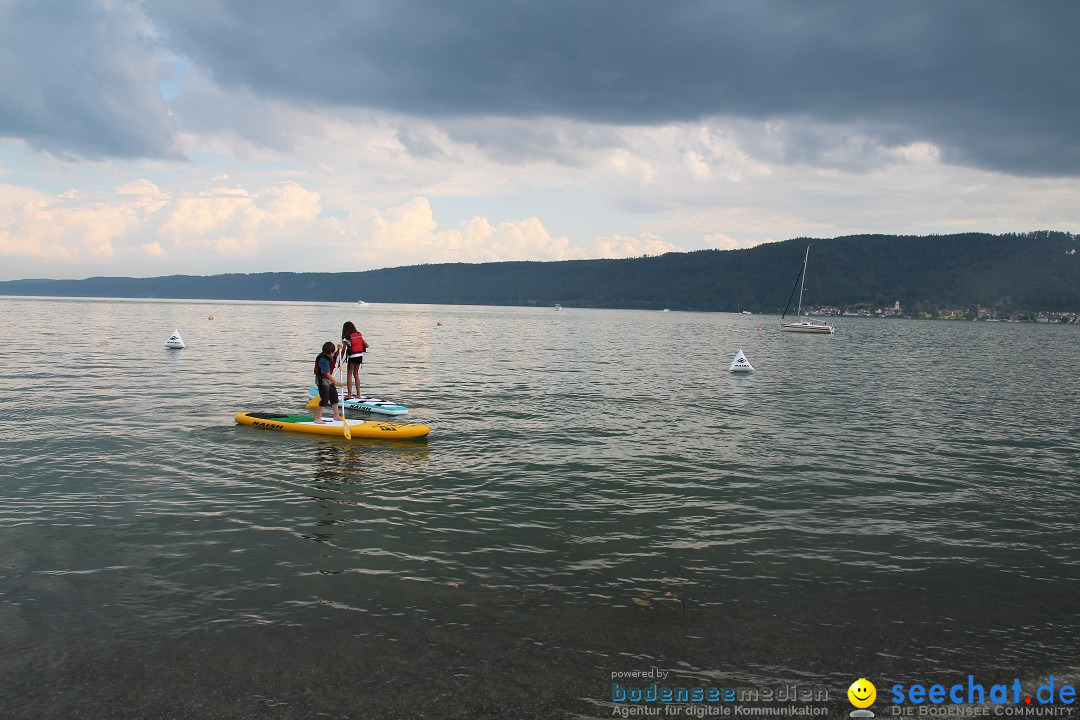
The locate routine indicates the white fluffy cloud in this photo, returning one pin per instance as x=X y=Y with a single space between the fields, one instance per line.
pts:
x=142 y=230
x=621 y=246
x=235 y=222
x=63 y=229
x=409 y=234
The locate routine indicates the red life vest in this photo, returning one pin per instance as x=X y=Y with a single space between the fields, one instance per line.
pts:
x=318 y=373
x=356 y=343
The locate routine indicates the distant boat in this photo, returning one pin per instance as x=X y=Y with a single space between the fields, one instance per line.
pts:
x=747 y=312
x=739 y=364
x=667 y=309
x=175 y=342
x=361 y=303
x=802 y=323
x=558 y=306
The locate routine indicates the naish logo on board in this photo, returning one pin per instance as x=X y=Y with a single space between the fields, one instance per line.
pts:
x=268 y=425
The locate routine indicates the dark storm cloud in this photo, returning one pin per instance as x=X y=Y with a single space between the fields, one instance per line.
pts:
x=993 y=82
x=79 y=80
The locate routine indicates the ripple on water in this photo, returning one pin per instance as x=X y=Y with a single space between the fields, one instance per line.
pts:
x=847 y=484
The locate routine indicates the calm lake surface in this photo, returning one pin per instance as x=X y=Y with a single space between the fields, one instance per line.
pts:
x=598 y=495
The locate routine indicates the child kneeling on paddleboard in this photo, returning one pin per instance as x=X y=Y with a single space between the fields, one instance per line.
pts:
x=324 y=378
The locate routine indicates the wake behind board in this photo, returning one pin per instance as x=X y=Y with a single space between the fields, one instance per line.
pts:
x=368 y=404
x=307 y=424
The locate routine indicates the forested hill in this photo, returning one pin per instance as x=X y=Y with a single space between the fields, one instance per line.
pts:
x=1031 y=271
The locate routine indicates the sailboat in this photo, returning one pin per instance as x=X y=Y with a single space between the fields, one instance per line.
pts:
x=803 y=324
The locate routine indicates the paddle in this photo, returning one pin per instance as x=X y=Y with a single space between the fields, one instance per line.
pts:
x=341 y=406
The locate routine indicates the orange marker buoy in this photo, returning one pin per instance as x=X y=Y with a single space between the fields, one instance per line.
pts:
x=438 y=324
x=210 y=318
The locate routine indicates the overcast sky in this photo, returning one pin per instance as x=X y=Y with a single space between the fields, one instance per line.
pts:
x=206 y=136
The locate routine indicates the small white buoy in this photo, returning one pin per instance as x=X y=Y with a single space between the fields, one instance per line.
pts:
x=175 y=341
x=739 y=364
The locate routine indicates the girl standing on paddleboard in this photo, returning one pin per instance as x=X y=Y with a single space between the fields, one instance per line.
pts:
x=353 y=346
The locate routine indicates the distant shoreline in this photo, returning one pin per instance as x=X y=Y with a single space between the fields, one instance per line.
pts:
x=1050 y=318
x=969 y=276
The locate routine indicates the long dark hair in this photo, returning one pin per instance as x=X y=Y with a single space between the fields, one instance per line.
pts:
x=348 y=329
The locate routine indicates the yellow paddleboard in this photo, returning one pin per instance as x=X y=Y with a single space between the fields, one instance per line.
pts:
x=307 y=424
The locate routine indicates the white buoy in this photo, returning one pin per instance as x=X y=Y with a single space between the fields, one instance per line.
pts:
x=739 y=364
x=175 y=341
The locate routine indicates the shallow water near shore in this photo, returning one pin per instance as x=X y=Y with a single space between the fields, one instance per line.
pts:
x=598 y=499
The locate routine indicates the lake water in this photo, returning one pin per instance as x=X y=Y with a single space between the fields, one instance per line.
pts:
x=598 y=496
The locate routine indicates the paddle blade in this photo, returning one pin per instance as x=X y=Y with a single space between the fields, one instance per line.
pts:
x=345 y=424
x=312 y=403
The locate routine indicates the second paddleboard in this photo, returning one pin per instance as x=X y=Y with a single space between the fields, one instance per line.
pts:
x=367 y=404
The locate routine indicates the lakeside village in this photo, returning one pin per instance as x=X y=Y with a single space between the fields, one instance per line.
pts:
x=897 y=310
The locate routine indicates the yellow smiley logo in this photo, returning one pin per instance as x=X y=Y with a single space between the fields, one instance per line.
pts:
x=862 y=693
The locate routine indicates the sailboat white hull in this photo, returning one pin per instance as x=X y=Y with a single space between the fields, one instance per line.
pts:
x=804 y=324
x=808 y=326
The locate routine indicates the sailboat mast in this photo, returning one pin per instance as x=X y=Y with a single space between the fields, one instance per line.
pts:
x=803 y=288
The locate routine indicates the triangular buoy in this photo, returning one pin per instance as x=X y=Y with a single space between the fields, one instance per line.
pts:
x=740 y=364
x=175 y=341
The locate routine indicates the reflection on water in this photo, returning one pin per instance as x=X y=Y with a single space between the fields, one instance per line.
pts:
x=598 y=493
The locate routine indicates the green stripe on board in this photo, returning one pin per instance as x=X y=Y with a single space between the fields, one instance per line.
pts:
x=281 y=417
